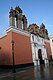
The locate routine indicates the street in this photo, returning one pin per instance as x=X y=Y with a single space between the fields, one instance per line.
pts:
x=31 y=73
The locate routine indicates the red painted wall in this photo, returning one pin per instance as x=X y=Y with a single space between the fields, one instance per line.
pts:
x=48 y=49
x=6 y=49
x=22 y=49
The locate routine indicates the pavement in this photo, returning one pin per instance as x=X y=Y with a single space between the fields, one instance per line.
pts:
x=30 y=73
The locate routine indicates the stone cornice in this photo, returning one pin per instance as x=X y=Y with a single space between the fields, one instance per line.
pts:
x=17 y=30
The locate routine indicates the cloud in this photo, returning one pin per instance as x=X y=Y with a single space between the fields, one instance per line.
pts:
x=51 y=25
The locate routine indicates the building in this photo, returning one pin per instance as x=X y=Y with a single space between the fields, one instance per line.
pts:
x=51 y=44
x=28 y=46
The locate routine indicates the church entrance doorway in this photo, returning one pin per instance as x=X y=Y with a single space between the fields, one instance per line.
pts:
x=40 y=57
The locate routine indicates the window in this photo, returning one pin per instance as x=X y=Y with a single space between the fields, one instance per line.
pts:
x=43 y=31
x=22 y=25
x=18 y=14
x=32 y=37
x=52 y=41
x=42 y=39
x=15 y=23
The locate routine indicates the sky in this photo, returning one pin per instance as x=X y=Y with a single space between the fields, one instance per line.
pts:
x=36 y=11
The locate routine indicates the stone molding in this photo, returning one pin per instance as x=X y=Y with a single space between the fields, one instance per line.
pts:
x=17 y=30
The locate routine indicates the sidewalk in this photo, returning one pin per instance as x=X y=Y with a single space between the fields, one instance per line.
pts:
x=4 y=72
x=30 y=73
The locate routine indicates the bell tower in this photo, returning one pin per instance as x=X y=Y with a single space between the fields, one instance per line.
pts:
x=17 y=19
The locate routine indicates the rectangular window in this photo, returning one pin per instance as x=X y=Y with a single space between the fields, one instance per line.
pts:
x=33 y=37
x=22 y=25
x=52 y=41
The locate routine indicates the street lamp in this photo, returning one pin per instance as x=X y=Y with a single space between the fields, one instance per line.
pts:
x=13 y=56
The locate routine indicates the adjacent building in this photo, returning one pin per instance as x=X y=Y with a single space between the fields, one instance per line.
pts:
x=51 y=44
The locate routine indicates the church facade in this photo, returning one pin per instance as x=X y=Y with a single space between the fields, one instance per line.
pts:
x=41 y=50
x=28 y=45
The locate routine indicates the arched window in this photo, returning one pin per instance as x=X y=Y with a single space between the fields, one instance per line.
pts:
x=33 y=37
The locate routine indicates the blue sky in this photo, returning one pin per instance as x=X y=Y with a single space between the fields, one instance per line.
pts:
x=36 y=11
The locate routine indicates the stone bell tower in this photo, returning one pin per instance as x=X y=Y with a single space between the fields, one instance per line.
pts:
x=17 y=20
x=12 y=16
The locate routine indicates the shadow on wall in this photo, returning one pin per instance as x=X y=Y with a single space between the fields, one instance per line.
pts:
x=4 y=58
x=50 y=58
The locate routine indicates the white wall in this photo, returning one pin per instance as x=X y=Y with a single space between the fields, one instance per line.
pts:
x=37 y=43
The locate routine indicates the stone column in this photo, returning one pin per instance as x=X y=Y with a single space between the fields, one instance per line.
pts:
x=24 y=23
x=12 y=21
x=19 y=22
x=11 y=16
